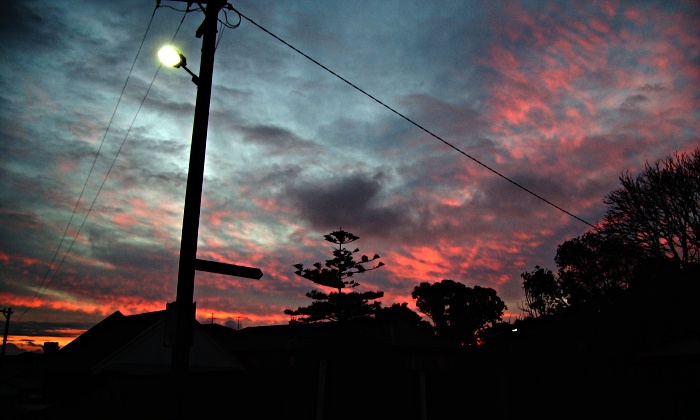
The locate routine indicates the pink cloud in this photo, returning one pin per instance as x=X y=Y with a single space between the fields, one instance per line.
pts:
x=419 y=263
x=125 y=219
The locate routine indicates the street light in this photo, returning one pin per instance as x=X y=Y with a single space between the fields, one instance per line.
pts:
x=172 y=57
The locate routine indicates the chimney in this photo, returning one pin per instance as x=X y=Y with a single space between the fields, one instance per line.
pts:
x=50 y=348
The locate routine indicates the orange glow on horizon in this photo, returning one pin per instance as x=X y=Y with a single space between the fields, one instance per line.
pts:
x=35 y=343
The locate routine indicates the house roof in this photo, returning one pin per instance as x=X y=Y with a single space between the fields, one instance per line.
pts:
x=107 y=336
x=138 y=343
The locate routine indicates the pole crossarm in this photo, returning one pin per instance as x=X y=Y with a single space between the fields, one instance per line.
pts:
x=228 y=269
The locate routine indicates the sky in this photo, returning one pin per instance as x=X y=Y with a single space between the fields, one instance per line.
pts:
x=460 y=140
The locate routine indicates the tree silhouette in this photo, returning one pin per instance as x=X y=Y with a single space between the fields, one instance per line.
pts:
x=336 y=274
x=659 y=209
x=648 y=236
x=595 y=269
x=458 y=311
x=401 y=312
x=543 y=293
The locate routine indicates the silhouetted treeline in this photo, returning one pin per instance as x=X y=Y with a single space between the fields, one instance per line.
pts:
x=646 y=243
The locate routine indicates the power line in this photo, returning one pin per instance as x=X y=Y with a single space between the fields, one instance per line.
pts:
x=82 y=192
x=39 y=291
x=413 y=122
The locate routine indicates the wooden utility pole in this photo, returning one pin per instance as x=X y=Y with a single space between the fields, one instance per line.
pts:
x=239 y=318
x=184 y=305
x=7 y=312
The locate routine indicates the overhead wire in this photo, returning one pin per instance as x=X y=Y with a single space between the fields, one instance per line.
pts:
x=223 y=25
x=412 y=121
x=39 y=291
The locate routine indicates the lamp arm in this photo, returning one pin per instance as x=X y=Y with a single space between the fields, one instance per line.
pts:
x=195 y=78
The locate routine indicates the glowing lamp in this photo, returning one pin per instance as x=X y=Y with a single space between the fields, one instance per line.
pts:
x=171 y=57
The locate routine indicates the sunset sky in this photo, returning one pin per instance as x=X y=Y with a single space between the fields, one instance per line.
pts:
x=557 y=97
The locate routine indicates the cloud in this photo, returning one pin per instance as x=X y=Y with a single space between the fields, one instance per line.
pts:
x=353 y=201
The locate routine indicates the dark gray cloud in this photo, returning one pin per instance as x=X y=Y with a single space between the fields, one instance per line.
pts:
x=273 y=137
x=31 y=25
x=353 y=201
